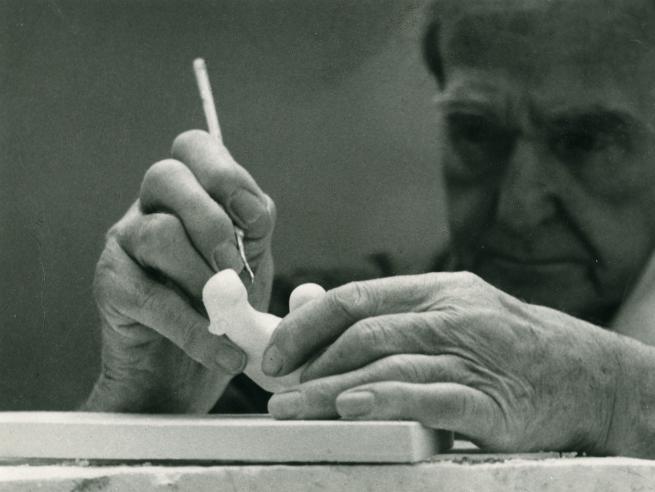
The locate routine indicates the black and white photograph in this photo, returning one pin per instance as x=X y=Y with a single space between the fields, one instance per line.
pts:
x=327 y=245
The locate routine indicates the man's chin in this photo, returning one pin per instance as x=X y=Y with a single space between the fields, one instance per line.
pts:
x=566 y=286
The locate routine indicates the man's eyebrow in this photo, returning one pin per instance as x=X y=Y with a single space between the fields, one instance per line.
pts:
x=594 y=118
x=454 y=102
x=473 y=88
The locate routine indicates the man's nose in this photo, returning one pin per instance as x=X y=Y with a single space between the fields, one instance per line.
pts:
x=526 y=196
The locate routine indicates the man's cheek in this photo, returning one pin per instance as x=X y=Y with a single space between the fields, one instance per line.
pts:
x=470 y=213
x=622 y=262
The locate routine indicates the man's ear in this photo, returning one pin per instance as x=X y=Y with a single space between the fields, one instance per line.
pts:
x=431 y=53
x=636 y=316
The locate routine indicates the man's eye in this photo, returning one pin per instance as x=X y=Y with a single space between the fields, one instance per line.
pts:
x=480 y=143
x=599 y=138
x=577 y=144
x=470 y=129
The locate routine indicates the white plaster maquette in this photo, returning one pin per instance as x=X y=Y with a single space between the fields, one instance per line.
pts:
x=226 y=301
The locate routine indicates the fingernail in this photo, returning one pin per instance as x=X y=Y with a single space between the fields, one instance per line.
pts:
x=272 y=361
x=232 y=359
x=355 y=403
x=246 y=206
x=286 y=405
x=225 y=255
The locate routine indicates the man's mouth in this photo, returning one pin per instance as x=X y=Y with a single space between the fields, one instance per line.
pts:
x=544 y=264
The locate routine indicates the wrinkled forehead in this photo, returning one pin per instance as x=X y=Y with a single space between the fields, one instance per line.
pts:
x=533 y=38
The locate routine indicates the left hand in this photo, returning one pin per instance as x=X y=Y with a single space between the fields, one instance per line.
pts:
x=455 y=353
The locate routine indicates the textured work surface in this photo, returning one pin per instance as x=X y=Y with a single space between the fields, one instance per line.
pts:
x=212 y=437
x=491 y=474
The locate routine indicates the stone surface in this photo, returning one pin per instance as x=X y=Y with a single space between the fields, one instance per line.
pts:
x=492 y=474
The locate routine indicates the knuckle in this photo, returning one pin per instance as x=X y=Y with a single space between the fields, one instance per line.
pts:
x=120 y=228
x=351 y=299
x=427 y=333
x=262 y=230
x=124 y=228
x=145 y=297
x=198 y=148
x=115 y=232
x=452 y=369
x=318 y=399
x=289 y=340
x=428 y=281
x=271 y=208
x=459 y=403
x=159 y=175
x=189 y=334
x=222 y=179
x=468 y=279
x=338 y=299
x=186 y=141
x=104 y=279
x=370 y=332
x=160 y=231
x=432 y=278
x=112 y=283
x=471 y=406
x=455 y=366
x=403 y=367
x=454 y=315
x=467 y=291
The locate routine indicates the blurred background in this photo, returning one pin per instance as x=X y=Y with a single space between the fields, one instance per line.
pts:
x=326 y=102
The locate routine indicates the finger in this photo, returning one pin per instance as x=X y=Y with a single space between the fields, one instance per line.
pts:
x=293 y=343
x=303 y=294
x=170 y=186
x=159 y=242
x=448 y=406
x=121 y=286
x=229 y=184
x=374 y=338
x=316 y=398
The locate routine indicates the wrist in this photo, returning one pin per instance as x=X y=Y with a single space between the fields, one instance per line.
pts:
x=631 y=429
x=110 y=395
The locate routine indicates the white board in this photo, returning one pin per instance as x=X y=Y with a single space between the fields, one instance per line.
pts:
x=257 y=438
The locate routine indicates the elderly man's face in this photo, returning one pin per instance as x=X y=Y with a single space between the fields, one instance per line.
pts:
x=549 y=109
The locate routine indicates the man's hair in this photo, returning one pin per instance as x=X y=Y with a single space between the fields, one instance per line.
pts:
x=431 y=53
x=637 y=10
x=430 y=46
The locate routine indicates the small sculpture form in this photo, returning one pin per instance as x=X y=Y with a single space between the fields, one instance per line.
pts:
x=226 y=301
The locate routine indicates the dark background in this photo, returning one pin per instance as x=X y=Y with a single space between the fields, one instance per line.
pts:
x=327 y=103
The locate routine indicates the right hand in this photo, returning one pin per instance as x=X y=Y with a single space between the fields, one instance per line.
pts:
x=158 y=355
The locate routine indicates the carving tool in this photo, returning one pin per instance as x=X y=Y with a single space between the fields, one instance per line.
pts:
x=209 y=107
